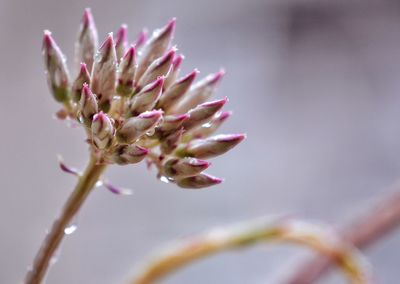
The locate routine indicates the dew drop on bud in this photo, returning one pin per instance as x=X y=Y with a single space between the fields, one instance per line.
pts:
x=151 y=132
x=164 y=179
x=70 y=229
x=207 y=125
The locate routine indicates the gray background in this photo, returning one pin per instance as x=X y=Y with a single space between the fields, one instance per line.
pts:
x=314 y=84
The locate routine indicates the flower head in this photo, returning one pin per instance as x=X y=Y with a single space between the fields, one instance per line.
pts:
x=134 y=106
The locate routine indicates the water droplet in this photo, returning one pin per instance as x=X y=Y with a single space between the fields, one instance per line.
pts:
x=207 y=125
x=151 y=132
x=164 y=179
x=70 y=229
x=99 y=183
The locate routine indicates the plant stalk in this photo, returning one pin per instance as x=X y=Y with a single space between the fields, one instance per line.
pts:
x=53 y=239
x=371 y=227
x=224 y=239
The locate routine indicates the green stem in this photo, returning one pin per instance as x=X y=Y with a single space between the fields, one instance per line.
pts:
x=52 y=241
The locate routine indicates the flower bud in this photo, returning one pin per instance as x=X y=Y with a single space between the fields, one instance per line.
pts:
x=126 y=73
x=88 y=105
x=170 y=124
x=184 y=167
x=55 y=68
x=128 y=154
x=173 y=94
x=141 y=38
x=102 y=131
x=121 y=41
x=199 y=181
x=171 y=142
x=160 y=67
x=87 y=42
x=156 y=46
x=210 y=127
x=135 y=127
x=200 y=92
x=211 y=147
x=203 y=113
x=82 y=78
x=175 y=69
x=147 y=98
x=104 y=73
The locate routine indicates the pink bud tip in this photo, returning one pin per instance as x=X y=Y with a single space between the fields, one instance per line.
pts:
x=85 y=88
x=189 y=77
x=122 y=34
x=180 y=117
x=217 y=103
x=141 y=151
x=87 y=18
x=108 y=43
x=101 y=117
x=48 y=41
x=159 y=82
x=200 y=163
x=168 y=56
x=151 y=114
x=141 y=38
x=170 y=26
x=215 y=180
x=177 y=61
x=83 y=69
x=215 y=78
x=230 y=137
x=224 y=115
x=130 y=55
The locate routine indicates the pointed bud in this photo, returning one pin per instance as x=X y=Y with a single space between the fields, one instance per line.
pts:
x=160 y=67
x=200 y=92
x=210 y=127
x=129 y=154
x=135 y=127
x=174 y=93
x=87 y=42
x=170 y=124
x=211 y=147
x=126 y=73
x=199 y=181
x=147 y=98
x=104 y=73
x=180 y=168
x=203 y=113
x=175 y=69
x=141 y=39
x=88 y=105
x=121 y=41
x=82 y=78
x=171 y=142
x=102 y=131
x=156 y=46
x=55 y=68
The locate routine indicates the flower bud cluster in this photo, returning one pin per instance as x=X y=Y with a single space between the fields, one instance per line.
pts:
x=134 y=104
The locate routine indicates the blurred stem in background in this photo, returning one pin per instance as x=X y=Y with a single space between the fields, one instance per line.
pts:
x=318 y=238
x=53 y=239
x=374 y=225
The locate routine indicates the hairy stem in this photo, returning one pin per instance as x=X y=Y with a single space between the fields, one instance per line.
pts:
x=220 y=240
x=53 y=239
x=371 y=227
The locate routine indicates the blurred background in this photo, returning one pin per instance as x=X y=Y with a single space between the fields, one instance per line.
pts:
x=314 y=84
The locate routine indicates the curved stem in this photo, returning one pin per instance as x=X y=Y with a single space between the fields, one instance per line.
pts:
x=53 y=239
x=221 y=240
x=369 y=228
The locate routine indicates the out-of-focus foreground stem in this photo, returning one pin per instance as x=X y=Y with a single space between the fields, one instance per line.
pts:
x=220 y=240
x=53 y=239
x=374 y=225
